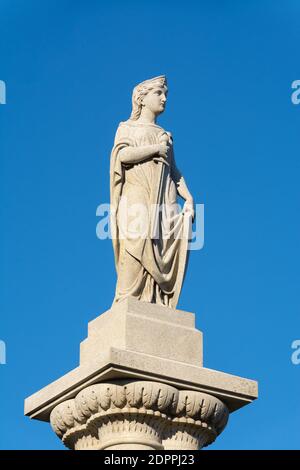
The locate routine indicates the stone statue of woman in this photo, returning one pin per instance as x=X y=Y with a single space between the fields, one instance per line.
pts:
x=150 y=232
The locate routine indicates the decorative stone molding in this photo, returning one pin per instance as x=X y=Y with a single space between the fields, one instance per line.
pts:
x=138 y=415
x=198 y=419
x=65 y=417
x=134 y=413
x=70 y=425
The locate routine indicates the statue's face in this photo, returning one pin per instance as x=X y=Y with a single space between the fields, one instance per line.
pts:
x=155 y=100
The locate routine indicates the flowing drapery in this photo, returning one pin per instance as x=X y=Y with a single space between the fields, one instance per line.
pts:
x=149 y=231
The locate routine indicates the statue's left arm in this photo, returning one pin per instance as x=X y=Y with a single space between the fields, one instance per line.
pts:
x=181 y=187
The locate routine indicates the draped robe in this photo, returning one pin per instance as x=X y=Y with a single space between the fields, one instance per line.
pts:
x=150 y=233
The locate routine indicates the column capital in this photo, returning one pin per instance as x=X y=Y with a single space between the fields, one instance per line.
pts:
x=138 y=415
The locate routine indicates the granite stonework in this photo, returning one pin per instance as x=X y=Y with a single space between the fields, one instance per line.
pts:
x=141 y=384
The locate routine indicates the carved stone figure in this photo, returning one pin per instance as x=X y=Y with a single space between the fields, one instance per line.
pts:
x=150 y=231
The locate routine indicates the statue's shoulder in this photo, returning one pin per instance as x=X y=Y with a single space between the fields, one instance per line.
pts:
x=131 y=128
x=126 y=124
x=125 y=127
x=124 y=132
x=132 y=124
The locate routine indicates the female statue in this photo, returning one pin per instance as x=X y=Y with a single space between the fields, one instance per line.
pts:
x=150 y=231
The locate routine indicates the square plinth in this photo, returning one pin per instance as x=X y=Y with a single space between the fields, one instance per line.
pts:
x=138 y=340
x=144 y=328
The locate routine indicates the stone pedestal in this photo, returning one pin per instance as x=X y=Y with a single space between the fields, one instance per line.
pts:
x=141 y=384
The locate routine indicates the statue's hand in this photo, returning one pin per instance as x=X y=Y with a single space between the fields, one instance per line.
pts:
x=188 y=208
x=163 y=149
x=162 y=153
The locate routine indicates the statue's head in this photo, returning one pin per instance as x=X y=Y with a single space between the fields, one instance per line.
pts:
x=150 y=93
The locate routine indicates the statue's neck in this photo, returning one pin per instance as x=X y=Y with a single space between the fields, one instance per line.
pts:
x=147 y=116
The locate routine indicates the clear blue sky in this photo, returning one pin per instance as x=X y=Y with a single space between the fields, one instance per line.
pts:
x=70 y=67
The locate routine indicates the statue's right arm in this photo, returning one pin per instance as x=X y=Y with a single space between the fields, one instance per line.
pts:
x=131 y=155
